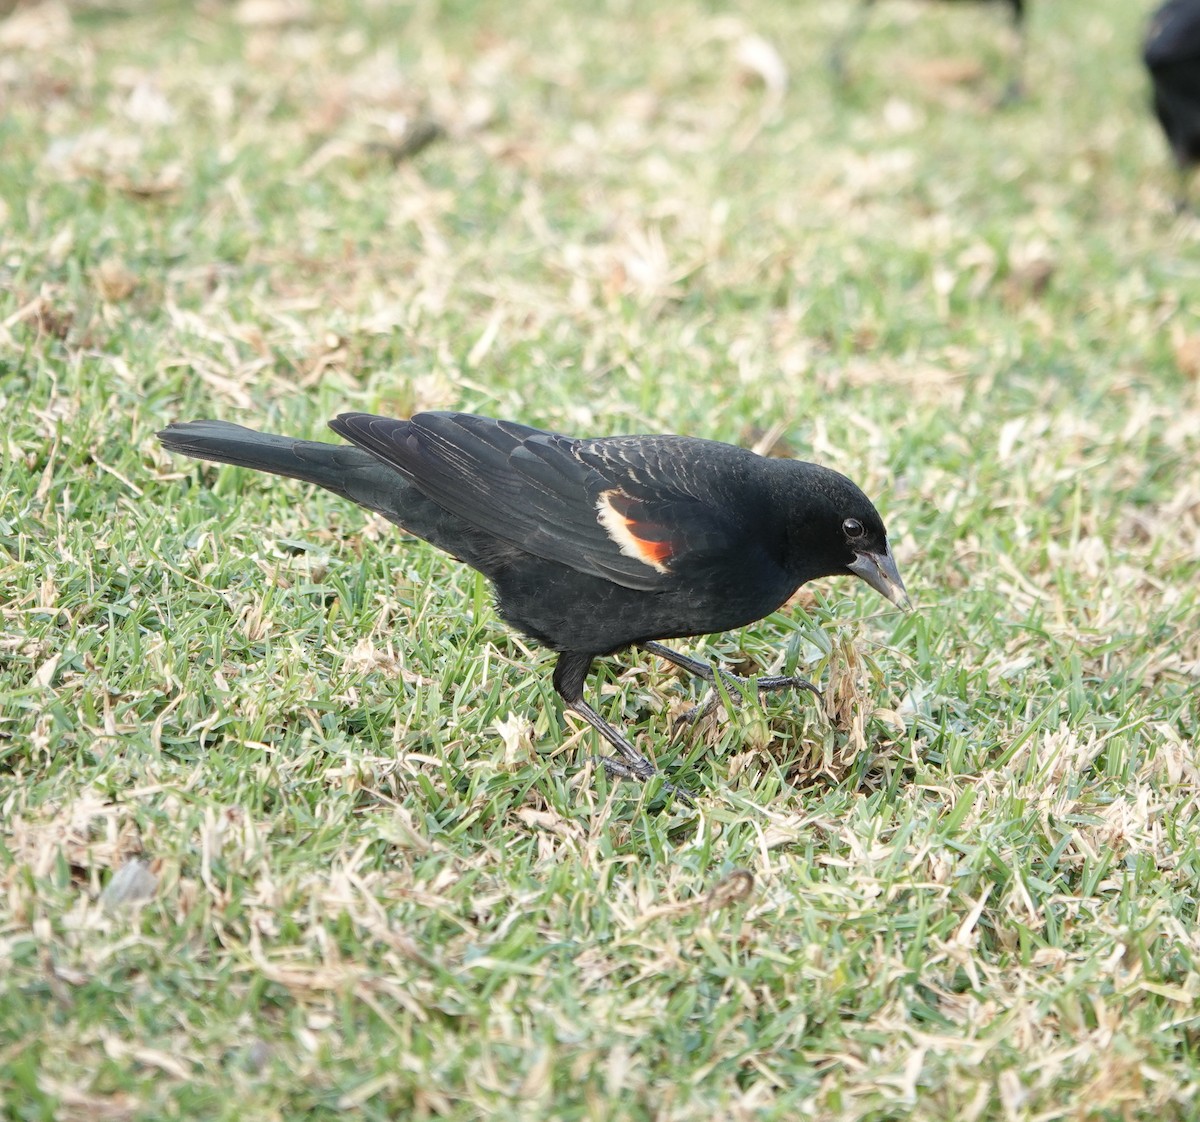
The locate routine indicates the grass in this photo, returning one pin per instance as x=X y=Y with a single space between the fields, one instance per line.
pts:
x=387 y=882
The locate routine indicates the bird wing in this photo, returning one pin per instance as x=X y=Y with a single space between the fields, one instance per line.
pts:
x=629 y=509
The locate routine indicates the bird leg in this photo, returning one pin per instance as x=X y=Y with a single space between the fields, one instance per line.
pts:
x=701 y=669
x=569 y=674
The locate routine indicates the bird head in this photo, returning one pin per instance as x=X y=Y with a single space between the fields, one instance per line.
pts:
x=836 y=529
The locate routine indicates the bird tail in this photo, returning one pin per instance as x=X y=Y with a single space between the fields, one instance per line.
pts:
x=343 y=469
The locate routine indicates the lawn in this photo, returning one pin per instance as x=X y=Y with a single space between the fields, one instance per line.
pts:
x=292 y=827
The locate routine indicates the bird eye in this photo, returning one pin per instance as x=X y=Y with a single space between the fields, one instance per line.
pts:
x=853 y=528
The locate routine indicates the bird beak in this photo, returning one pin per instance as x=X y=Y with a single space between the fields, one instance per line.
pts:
x=880 y=572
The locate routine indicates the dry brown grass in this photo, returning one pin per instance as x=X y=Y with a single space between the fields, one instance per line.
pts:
x=375 y=877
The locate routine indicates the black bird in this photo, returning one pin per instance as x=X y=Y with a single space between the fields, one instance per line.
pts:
x=592 y=545
x=1172 y=55
x=858 y=22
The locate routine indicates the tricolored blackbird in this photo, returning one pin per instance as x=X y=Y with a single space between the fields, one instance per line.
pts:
x=1172 y=55
x=592 y=545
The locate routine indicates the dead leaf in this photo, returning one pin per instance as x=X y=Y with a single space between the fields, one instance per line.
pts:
x=516 y=732
x=133 y=883
x=114 y=281
x=1027 y=281
x=731 y=889
x=166 y=181
x=414 y=135
x=1186 y=349
x=942 y=72
x=44 y=674
x=759 y=58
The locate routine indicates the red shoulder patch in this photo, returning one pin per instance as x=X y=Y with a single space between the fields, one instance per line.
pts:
x=647 y=541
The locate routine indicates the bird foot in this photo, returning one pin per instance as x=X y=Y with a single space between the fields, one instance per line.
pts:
x=740 y=685
x=631 y=764
x=623 y=769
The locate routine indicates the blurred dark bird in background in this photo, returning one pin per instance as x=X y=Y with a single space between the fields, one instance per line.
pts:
x=858 y=22
x=592 y=545
x=1172 y=55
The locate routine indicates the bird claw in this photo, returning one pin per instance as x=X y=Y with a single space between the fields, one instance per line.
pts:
x=631 y=764
x=763 y=685
x=785 y=682
x=694 y=714
x=625 y=769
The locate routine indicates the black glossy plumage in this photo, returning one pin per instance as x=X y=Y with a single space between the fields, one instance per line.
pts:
x=592 y=545
x=1172 y=55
